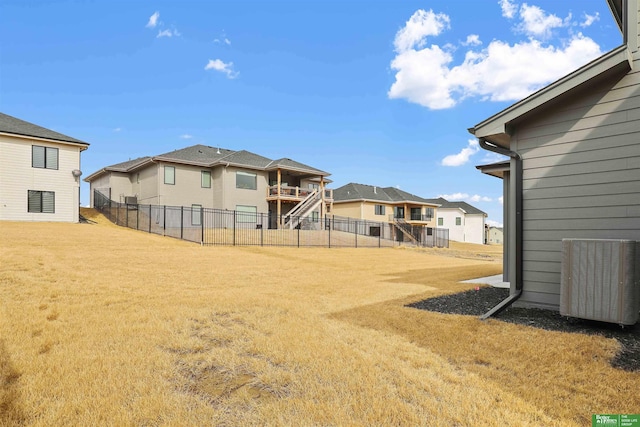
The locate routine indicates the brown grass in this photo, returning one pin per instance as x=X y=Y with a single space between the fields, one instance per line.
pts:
x=105 y=325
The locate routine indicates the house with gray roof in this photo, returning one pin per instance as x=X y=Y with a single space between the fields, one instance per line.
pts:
x=465 y=222
x=413 y=216
x=201 y=176
x=574 y=166
x=40 y=177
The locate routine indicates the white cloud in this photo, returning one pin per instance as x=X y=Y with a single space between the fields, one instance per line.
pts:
x=589 y=19
x=472 y=40
x=426 y=75
x=186 y=136
x=223 y=67
x=421 y=24
x=478 y=198
x=537 y=23
x=501 y=200
x=153 y=20
x=463 y=156
x=168 y=33
x=492 y=223
x=490 y=157
x=508 y=9
x=117 y=129
x=454 y=196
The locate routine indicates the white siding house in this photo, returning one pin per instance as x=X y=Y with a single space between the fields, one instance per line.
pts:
x=39 y=180
x=465 y=222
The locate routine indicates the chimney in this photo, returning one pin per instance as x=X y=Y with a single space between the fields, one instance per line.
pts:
x=375 y=190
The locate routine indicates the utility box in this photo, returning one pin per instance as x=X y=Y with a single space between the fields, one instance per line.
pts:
x=600 y=280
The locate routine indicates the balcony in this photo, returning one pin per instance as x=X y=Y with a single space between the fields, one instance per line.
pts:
x=295 y=194
x=413 y=217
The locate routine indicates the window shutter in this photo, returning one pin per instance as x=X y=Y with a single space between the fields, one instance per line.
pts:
x=37 y=156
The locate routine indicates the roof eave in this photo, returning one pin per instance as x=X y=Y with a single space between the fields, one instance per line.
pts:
x=83 y=145
x=496 y=128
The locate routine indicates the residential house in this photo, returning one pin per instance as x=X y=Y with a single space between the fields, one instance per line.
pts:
x=200 y=176
x=495 y=235
x=465 y=222
x=40 y=178
x=574 y=167
x=413 y=216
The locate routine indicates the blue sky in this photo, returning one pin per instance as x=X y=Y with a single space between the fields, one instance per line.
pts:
x=374 y=92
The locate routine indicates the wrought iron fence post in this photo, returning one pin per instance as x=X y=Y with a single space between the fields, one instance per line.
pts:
x=329 y=232
x=181 y=222
x=234 y=228
x=356 y=227
x=299 y=235
x=150 y=214
x=262 y=230
x=137 y=217
x=202 y=225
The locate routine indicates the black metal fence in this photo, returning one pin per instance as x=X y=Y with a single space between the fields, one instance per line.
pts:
x=224 y=227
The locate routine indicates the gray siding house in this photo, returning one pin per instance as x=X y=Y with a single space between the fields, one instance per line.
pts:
x=574 y=168
x=200 y=176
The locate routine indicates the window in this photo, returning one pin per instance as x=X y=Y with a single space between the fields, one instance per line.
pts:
x=170 y=175
x=416 y=214
x=246 y=180
x=315 y=216
x=440 y=221
x=313 y=186
x=429 y=213
x=246 y=213
x=380 y=209
x=41 y=201
x=44 y=157
x=398 y=212
x=458 y=220
x=205 y=179
x=196 y=214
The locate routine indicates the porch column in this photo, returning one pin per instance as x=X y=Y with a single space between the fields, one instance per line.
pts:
x=406 y=207
x=279 y=208
x=323 y=209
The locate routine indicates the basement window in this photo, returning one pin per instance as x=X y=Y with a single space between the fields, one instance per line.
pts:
x=41 y=201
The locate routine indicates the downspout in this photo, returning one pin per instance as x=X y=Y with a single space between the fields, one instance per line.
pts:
x=518 y=178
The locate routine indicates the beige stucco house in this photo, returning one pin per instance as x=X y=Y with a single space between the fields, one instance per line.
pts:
x=201 y=176
x=574 y=168
x=40 y=177
x=412 y=215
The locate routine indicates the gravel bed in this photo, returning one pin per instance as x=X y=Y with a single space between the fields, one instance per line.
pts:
x=478 y=302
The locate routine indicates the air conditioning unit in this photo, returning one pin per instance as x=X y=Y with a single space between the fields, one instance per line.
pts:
x=600 y=280
x=131 y=200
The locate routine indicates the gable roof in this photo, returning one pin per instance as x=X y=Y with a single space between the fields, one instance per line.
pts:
x=497 y=128
x=463 y=206
x=13 y=126
x=206 y=156
x=353 y=192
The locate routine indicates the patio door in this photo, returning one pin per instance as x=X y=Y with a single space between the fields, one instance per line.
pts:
x=398 y=212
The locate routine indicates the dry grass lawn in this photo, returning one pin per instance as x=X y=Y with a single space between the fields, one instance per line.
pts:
x=101 y=325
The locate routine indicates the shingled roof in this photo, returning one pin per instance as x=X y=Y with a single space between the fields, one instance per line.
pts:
x=354 y=191
x=206 y=156
x=464 y=206
x=14 y=126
